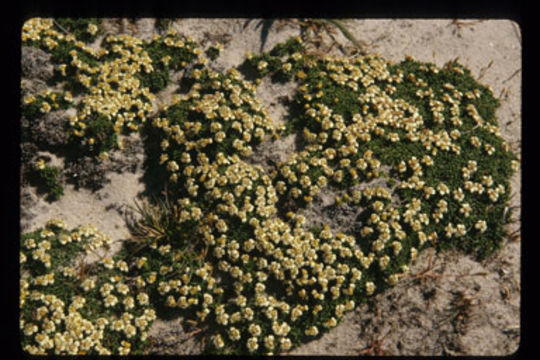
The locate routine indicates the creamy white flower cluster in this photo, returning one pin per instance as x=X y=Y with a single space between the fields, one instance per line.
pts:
x=69 y=307
x=268 y=270
x=112 y=89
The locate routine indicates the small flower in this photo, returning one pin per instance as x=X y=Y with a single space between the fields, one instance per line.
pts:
x=40 y=164
x=218 y=341
x=252 y=344
x=92 y=29
x=285 y=343
x=110 y=301
x=254 y=329
x=370 y=288
x=108 y=263
x=261 y=65
x=234 y=334
x=312 y=331
x=481 y=226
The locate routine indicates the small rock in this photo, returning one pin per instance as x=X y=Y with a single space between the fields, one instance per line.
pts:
x=145 y=28
x=28 y=153
x=32 y=87
x=49 y=130
x=35 y=63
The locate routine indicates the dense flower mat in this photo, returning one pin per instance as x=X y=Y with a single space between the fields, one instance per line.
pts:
x=229 y=247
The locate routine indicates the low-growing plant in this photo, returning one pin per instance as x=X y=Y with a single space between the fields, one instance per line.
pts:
x=72 y=306
x=214 y=51
x=105 y=78
x=163 y=24
x=84 y=29
x=168 y=53
x=47 y=179
x=36 y=105
x=230 y=248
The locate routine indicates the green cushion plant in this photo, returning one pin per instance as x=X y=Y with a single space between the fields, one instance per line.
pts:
x=231 y=250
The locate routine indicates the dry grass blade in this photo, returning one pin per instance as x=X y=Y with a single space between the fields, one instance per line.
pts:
x=153 y=223
x=484 y=69
x=375 y=347
x=362 y=46
x=459 y=24
x=193 y=333
x=428 y=270
x=61 y=27
x=141 y=228
x=511 y=76
x=462 y=310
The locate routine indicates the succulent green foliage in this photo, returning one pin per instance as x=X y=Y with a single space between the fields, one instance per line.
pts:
x=214 y=51
x=284 y=61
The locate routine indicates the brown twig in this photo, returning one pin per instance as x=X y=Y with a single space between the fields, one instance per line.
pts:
x=427 y=273
x=505 y=292
x=511 y=76
x=515 y=235
x=61 y=27
x=484 y=69
x=83 y=269
x=376 y=346
x=193 y=333
x=462 y=311
x=460 y=24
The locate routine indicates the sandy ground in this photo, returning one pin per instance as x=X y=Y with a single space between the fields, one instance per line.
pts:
x=461 y=307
